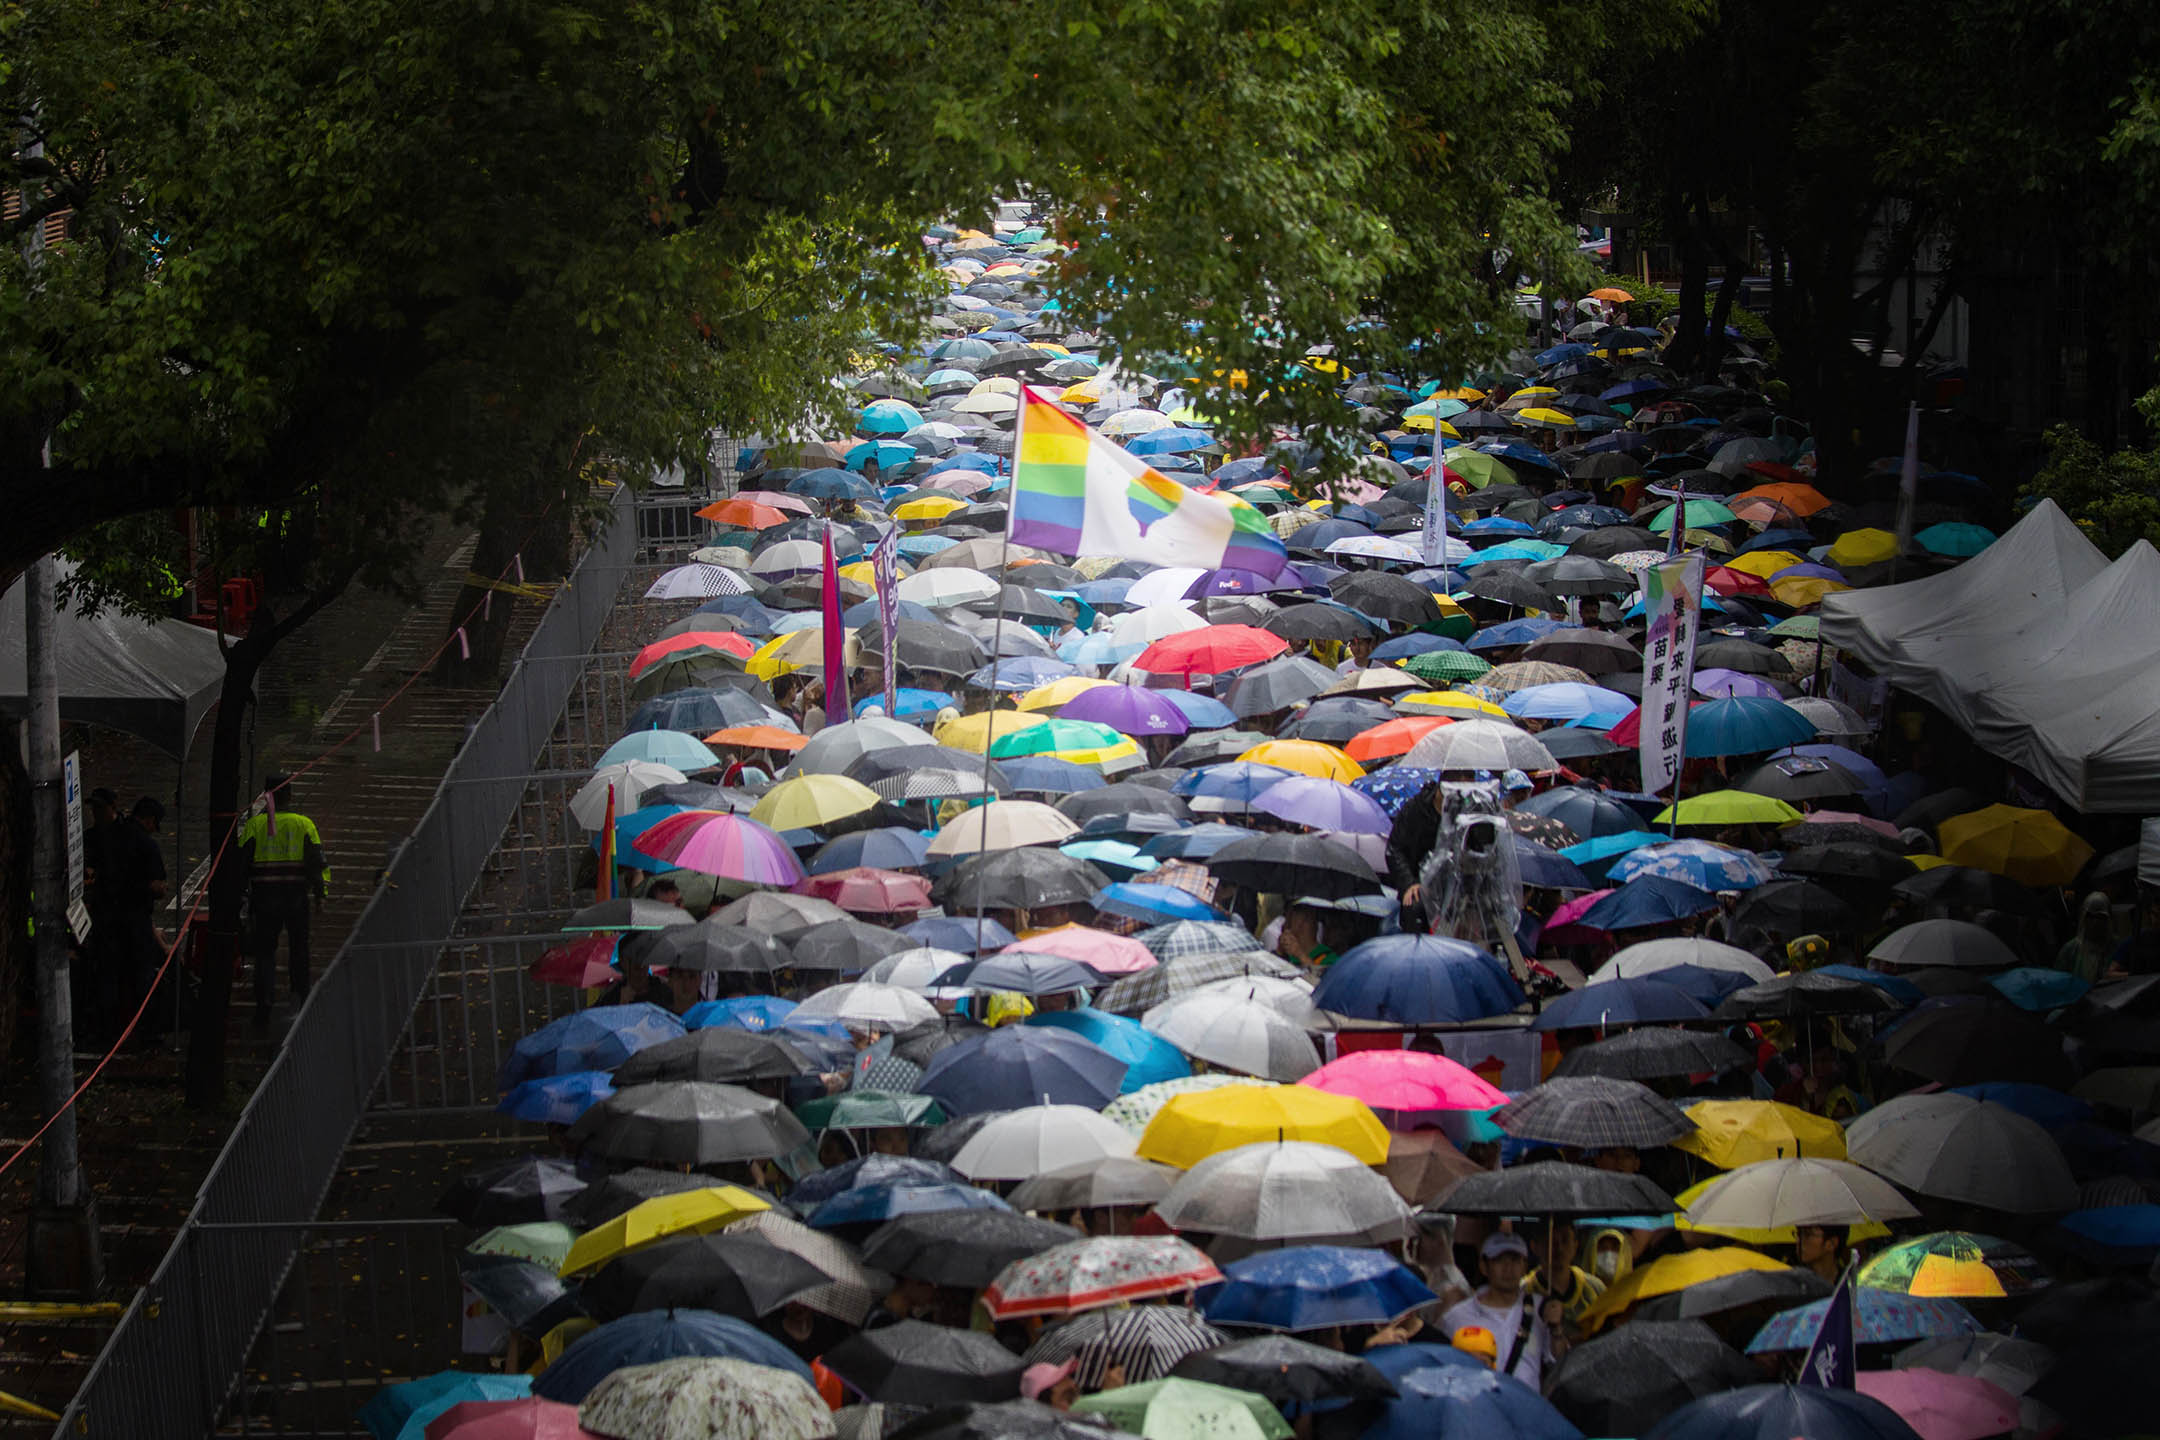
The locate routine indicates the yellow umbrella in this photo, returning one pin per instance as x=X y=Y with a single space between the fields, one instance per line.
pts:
x=1801 y=591
x=1468 y=394
x=1060 y=691
x=1732 y=1133
x=1762 y=564
x=1545 y=417
x=1728 y=807
x=791 y=651
x=1927 y=862
x=1863 y=547
x=928 y=507
x=808 y=801
x=1048 y=348
x=2031 y=847
x=861 y=571
x=1426 y=701
x=689 y=1212
x=1095 y=754
x=1421 y=424
x=1752 y=1235
x=975 y=732
x=1671 y=1275
x=1201 y=1123
x=1307 y=757
x=1528 y=393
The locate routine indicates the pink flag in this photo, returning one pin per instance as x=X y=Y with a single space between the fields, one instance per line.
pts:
x=836 y=696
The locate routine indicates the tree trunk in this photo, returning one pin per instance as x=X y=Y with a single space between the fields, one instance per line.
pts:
x=512 y=530
x=1713 y=352
x=1694 y=278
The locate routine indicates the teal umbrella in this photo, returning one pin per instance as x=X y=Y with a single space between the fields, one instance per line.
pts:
x=1955 y=539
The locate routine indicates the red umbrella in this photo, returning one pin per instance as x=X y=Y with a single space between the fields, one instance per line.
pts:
x=868 y=891
x=1393 y=737
x=584 y=962
x=1629 y=730
x=1728 y=581
x=529 y=1419
x=1210 y=651
x=739 y=646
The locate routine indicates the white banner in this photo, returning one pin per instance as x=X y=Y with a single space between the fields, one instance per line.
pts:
x=1672 y=603
x=1435 y=536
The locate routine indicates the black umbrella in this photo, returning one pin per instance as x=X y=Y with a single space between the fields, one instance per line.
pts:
x=1287 y=1371
x=1967 y=891
x=1848 y=861
x=1554 y=1188
x=531 y=1299
x=1655 y=1051
x=1020 y=603
x=1965 y=1039
x=1294 y=865
x=911 y=1363
x=1806 y=993
x=1506 y=584
x=688 y=1122
x=733 y=1274
x=1610 y=540
x=710 y=948
x=1315 y=621
x=2103 y=1332
x=922 y=1043
x=1276 y=685
x=524 y=1190
x=1211 y=745
x=1388 y=597
x=964 y=1249
x=1745 y=656
x=1625 y=1381
x=949 y=1139
x=1008 y=1420
x=815 y=1189
x=848 y=946
x=1798 y=778
x=1336 y=721
x=1595 y=652
x=1027 y=878
x=611 y=1195
x=1577 y=743
x=623 y=913
x=925 y=645
x=1795 y=907
x=1123 y=798
x=1778 y=1289
x=719 y=1053
x=874 y=765
x=1930 y=811
x=1593 y=1113
x=1579 y=575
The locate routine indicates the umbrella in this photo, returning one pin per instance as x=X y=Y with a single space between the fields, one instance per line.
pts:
x=1945 y=942
x=655 y=1215
x=732 y=1274
x=1176 y=1409
x=703 y=1398
x=1772 y=1194
x=528 y=1418
x=1649 y=957
x=1405 y=1081
x=1243 y=1036
x=1781 y=1412
x=629 y=780
x=1956 y=1147
x=1683 y=1272
x=1593 y=1114
x=526 y=1189
x=598 y=1039
x=1942 y=1406
x=866 y=1005
x=1447 y=1394
x=688 y=1122
x=1770 y=1288
x=1021 y=1144
x=1142 y=1344
x=1286 y=1191
x=1556 y=1188
x=1096 y=1184
x=1807 y=992
x=1648 y=900
x=1417 y=980
x=989 y=1071
x=717 y=1054
x=1287 y=1371
x=652 y=1336
x=963 y=1249
x=710 y=947
x=1620 y=1002
x=1294 y=865
x=1188 y=1128
x=1732 y=1133
x=1957 y=1264
x=2013 y=1364
x=1692 y=862
x=1091 y=1273
x=848 y=1289
x=1655 y=1052
x=728 y=846
x=1148 y=1057
x=1315 y=1287
x=874 y=1204
x=1479 y=744
x=1960 y=1039
x=1005 y=1420
x=2029 y=846
x=1624 y=1382
x=1027 y=878
x=911 y=1363
x=1879 y=1317
x=393 y=1407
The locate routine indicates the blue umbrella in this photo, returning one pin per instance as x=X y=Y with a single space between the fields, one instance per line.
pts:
x=1171 y=440
x=865 y=612
x=1652 y=900
x=865 y=1171
x=1238 y=782
x=661 y=747
x=597 y=1039
x=1021 y=672
x=1745 y=725
x=1114 y=857
x=1710 y=601
x=967 y=460
x=1644 y=1001
x=1568 y=700
x=965 y=934
x=890 y=847
x=1048 y=775
x=1402 y=647
x=1202 y=712
x=2047 y=1107
x=743 y=1012
x=1780 y=1412
x=875 y=1204
x=1901 y=990
x=1605 y=849
x=831 y=485
x=1880 y=1317
x=1108 y=591
x=1588 y=813
x=557 y=1099
x=1020 y=1065
x=1513 y=632
x=1954 y=538
x=889 y=454
x=1572 y=350
x=1442 y=1393
x=650 y=1336
x=1417 y=980
x=2034 y=987
x=908 y=702
x=1153 y=904
x=1693 y=862
x=1547 y=869
x=1314 y=1287
x=1496 y=525
x=629 y=827
x=888 y=417
x=1198 y=843
x=2113 y=1234
x=1148 y=1057
x=391 y=1407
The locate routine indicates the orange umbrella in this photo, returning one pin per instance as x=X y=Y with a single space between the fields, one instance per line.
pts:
x=1393 y=737
x=1612 y=296
x=1801 y=499
x=757 y=737
x=743 y=512
x=726 y=641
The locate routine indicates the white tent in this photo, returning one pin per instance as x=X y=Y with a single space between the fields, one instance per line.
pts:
x=2048 y=655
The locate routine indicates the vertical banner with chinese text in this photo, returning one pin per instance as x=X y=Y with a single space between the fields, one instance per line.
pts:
x=884 y=574
x=1672 y=603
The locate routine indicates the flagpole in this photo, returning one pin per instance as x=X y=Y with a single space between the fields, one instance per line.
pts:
x=997 y=629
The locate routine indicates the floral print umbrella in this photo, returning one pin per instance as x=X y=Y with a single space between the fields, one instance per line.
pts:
x=702 y=1398
x=1089 y=1274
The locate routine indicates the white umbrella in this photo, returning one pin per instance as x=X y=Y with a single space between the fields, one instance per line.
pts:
x=697 y=581
x=987 y=404
x=1831 y=718
x=1292 y=999
x=789 y=557
x=1136 y=422
x=1955 y=1147
x=1153 y=622
x=1003 y=825
x=1096 y=1183
x=1289 y=1192
x=1647 y=957
x=1021 y=1144
x=1242 y=1035
x=1375 y=547
x=1774 y=1194
x=1166 y=586
x=1944 y=942
x=836 y=747
x=867 y=1005
x=631 y=779
x=914 y=969
x=1480 y=744
x=952 y=586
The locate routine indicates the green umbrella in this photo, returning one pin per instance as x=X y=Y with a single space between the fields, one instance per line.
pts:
x=867 y=1109
x=1699 y=513
x=1056 y=735
x=1798 y=627
x=1477 y=469
x=1446 y=667
x=544 y=1242
x=1174 y=1409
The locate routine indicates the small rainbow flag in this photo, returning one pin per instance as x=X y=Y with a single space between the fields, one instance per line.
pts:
x=1077 y=493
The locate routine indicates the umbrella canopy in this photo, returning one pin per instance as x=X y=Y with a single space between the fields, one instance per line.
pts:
x=1654 y=1052
x=1731 y=1133
x=964 y=1249
x=528 y=1418
x=1245 y=1036
x=1175 y=1409
x=689 y=1211
x=700 y=1398
x=2031 y=847
x=1942 y=1406
x=1287 y=1191
x=989 y=1071
x=1781 y=1412
x=1096 y=1184
x=731 y=1274
x=1681 y=1273
x=1315 y=1287
x=1624 y=1382
x=1447 y=1394
x=1021 y=1144
x=1879 y=1317
x=652 y=1336
x=1555 y=1188
x=1417 y=980
x=1287 y=1371
x=1189 y=1128
x=1975 y=1152
x=1405 y=1081
x=688 y=1122
x=911 y=1363
x=599 y=1039
x=1143 y=1343
x=1594 y=1114
x=1622 y=1002
x=1772 y=1194
x=1092 y=1273
x=1956 y=1264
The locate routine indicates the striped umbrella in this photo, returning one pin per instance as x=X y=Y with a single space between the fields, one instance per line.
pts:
x=1144 y=1343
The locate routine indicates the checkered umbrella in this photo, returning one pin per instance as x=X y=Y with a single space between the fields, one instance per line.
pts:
x=1196 y=937
x=1593 y=1114
x=1137 y=993
x=1143 y=1343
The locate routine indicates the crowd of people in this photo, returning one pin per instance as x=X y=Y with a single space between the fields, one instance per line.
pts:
x=1094 y=994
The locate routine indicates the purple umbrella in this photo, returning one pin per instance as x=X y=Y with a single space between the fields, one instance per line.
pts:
x=732 y=847
x=1238 y=582
x=1127 y=709
x=1323 y=805
x=1734 y=682
x=1807 y=572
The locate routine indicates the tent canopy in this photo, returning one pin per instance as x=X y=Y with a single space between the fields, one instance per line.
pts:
x=156 y=679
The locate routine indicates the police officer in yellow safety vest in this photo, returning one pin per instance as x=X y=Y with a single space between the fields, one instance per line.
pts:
x=284 y=859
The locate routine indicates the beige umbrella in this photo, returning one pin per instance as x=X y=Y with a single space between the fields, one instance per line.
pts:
x=1772 y=1194
x=705 y=1398
x=1036 y=1139
x=1003 y=825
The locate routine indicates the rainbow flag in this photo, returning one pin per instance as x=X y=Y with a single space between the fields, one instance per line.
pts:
x=1077 y=493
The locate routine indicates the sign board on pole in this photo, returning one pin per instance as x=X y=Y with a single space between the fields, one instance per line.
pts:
x=1672 y=593
x=71 y=806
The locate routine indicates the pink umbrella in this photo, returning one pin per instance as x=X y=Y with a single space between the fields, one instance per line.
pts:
x=529 y=1419
x=713 y=842
x=588 y=960
x=1846 y=817
x=1099 y=950
x=1568 y=911
x=868 y=891
x=1734 y=682
x=1405 y=1080
x=1942 y=1406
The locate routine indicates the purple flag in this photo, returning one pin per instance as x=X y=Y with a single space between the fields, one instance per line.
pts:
x=1679 y=520
x=884 y=573
x=1829 y=1360
x=836 y=696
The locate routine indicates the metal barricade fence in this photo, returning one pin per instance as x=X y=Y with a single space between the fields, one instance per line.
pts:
x=480 y=1001
x=173 y=1362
